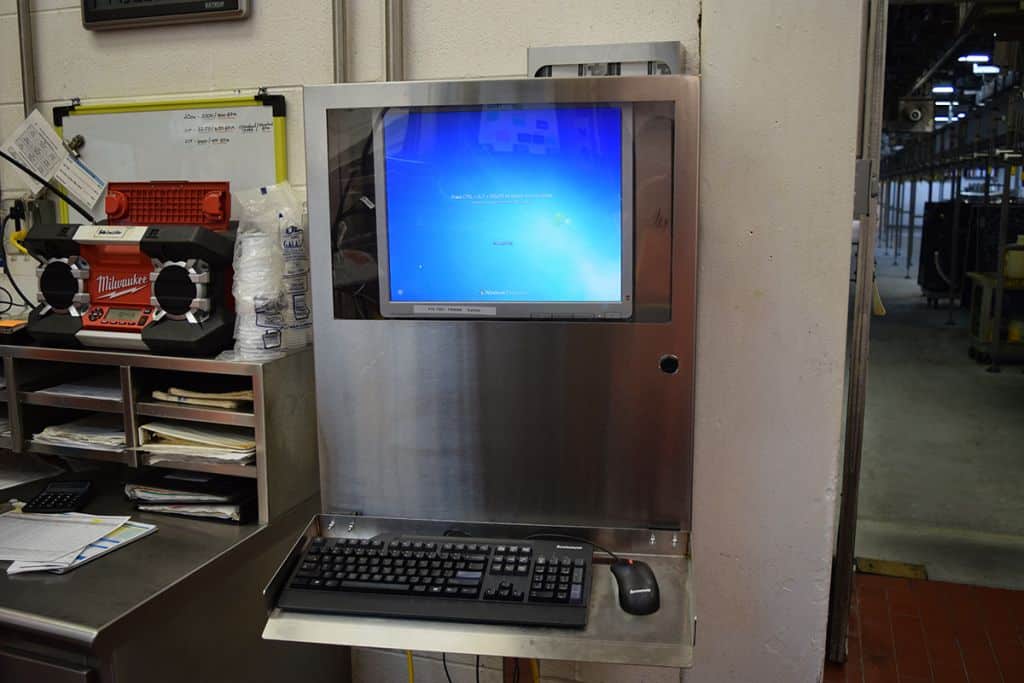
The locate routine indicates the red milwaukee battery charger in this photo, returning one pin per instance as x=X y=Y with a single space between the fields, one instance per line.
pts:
x=156 y=276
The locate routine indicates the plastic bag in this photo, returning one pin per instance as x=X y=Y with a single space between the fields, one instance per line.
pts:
x=271 y=281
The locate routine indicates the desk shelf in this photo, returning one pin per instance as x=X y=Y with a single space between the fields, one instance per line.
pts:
x=124 y=457
x=96 y=405
x=665 y=638
x=285 y=469
x=230 y=469
x=176 y=411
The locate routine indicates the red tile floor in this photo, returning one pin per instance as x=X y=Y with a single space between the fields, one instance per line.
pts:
x=910 y=631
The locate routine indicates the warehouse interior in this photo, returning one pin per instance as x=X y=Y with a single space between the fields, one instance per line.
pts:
x=942 y=471
x=934 y=468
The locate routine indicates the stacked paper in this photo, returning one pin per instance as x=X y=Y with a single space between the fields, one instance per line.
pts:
x=176 y=442
x=121 y=536
x=100 y=432
x=229 y=400
x=101 y=386
x=51 y=538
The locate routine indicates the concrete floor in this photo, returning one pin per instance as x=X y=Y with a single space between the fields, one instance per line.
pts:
x=942 y=479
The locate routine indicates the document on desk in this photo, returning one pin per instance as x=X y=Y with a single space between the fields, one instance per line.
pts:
x=120 y=537
x=46 y=538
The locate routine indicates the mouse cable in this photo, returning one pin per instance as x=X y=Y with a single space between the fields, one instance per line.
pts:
x=566 y=537
x=53 y=188
x=478 y=669
x=409 y=666
x=444 y=663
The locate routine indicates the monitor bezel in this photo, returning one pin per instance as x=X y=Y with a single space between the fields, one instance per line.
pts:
x=509 y=310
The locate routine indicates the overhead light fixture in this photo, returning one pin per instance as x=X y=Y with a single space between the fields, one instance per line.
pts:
x=961 y=115
x=942 y=119
x=981 y=69
x=943 y=89
x=975 y=59
x=946 y=103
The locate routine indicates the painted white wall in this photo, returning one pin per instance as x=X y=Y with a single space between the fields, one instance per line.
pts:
x=779 y=113
x=281 y=46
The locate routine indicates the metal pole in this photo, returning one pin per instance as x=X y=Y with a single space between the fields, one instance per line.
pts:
x=912 y=223
x=954 y=243
x=340 y=42
x=394 y=41
x=28 y=69
x=873 y=54
x=883 y=209
x=997 y=328
x=898 y=233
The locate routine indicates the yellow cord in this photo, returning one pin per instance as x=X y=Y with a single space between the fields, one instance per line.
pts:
x=535 y=670
x=408 y=663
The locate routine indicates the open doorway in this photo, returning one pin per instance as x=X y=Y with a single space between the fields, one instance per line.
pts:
x=934 y=488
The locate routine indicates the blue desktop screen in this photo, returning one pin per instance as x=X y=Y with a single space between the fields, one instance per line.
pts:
x=504 y=204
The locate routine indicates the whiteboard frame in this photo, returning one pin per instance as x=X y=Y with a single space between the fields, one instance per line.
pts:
x=261 y=99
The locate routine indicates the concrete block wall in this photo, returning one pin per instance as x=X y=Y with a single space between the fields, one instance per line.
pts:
x=778 y=132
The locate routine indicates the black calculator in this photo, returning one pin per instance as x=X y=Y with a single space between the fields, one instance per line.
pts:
x=60 y=496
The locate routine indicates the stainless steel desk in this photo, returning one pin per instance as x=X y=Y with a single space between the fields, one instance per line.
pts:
x=180 y=604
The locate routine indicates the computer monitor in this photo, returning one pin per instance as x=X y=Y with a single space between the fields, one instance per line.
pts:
x=505 y=211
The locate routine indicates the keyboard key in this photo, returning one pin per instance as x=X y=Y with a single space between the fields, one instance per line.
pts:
x=299 y=583
x=577 y=575
x=375 y=587
x=541 y=596
x=562 y=596
x=332 y=584
x=419 y=589
x=565 y=562
x=517 y=596
x=316 y=583
x=476 y=558
x=454 y=581
x=435 y=590
x=469 y=575
x=579 y=562
x=467 y=592
x=451 y=590
x=475 y=566
x=576 y=594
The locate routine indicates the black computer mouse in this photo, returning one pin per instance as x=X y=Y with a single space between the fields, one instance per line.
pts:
x=638 y=589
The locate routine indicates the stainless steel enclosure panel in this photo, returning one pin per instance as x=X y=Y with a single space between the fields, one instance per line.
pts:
x=544 y=422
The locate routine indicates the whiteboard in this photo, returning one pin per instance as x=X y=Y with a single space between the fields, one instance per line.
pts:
x=233 y=143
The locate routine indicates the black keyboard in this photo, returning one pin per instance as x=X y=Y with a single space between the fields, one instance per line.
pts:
x=489 y=581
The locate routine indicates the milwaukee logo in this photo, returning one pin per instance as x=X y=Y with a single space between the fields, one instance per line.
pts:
x=109 y=287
